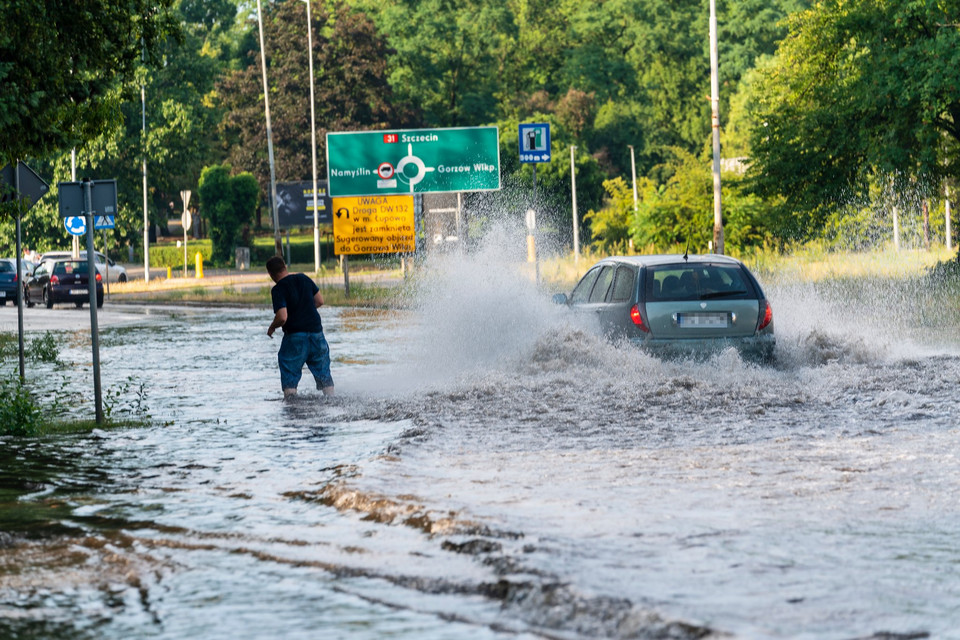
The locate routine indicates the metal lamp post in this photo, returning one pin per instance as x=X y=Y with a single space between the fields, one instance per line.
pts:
x=278 y=247
x=313 y=147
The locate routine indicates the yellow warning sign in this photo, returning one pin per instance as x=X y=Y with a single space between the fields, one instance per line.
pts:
x=373 y=224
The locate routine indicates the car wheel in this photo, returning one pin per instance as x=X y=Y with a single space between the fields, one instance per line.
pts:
x=47 y=300
x=99 y=302
x=79 y=305
x=3 y=302
x=26 y=297
x=122 y=278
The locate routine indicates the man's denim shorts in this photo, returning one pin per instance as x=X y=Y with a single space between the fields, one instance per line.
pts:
x=297 y=349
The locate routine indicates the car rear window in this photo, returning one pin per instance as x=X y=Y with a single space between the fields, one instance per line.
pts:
x=623 y=285
x=698 y=282
x=66 y=268
x=6 y=267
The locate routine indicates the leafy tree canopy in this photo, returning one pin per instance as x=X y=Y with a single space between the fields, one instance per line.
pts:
x=228 y=202
x=860 y=91
x=61 y=62
x=351 y=89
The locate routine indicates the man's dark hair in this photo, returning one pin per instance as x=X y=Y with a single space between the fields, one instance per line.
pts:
x=276 y=265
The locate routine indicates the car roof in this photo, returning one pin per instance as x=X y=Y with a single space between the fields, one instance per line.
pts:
x=54 y=255
x=672 y=258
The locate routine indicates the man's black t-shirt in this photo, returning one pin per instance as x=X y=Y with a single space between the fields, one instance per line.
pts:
x=295 y=292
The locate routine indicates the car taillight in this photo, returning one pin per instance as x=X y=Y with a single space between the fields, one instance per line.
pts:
x=766 y=315
x=98 y=277
x=638 y=319
x=54 y=280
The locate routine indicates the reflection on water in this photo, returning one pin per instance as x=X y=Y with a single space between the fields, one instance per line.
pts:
x=491 y=468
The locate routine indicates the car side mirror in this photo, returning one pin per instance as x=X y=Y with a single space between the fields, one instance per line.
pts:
x=560 y=298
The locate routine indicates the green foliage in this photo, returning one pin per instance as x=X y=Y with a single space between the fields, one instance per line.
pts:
x=45 y=348
x=611 y=224
x=170 y=255
x=860 y=92
x=129 y=399
x=677 y=211
x=20 y=415
x=228 y=202
x=351 y=89
x=62 y=63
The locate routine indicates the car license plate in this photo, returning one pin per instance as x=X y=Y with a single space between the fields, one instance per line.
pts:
x=3 y=294
x=703 y=320
x=79 y=292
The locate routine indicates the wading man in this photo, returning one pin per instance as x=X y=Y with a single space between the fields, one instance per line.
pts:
x=295 y=302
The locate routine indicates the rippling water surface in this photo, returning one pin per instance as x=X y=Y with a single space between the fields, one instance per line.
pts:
x=491 y=469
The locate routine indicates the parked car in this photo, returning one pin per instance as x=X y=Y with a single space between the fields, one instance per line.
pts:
x=9 y=284
x=106 y=266
x=672 y=304
x=63 y=280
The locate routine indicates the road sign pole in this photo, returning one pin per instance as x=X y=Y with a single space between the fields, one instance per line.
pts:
x=92 y=282
x=106 y=263
x=18 y=256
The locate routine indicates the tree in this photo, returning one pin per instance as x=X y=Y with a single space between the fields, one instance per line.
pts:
x=350 y=85
x=227 y=202
x=61 y=64
x=445 y=56
x=861 y=91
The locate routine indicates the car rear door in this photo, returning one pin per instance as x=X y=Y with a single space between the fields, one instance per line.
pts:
x=615 y=312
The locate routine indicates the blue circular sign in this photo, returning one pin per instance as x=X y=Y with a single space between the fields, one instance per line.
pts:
x=76 y=225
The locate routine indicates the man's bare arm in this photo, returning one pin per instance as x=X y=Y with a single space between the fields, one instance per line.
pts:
x=279 y=319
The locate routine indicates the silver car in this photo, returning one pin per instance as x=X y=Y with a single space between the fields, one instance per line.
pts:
x=105 y=266
x=673 y=304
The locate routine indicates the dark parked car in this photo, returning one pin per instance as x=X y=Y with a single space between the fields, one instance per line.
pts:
x=9 y=284
x=676 y=304
x=62 y=281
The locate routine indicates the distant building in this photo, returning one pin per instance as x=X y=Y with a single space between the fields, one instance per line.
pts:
x=734 y=165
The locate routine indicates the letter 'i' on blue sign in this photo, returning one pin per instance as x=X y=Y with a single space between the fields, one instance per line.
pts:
x=535 y=142
x=75 y=225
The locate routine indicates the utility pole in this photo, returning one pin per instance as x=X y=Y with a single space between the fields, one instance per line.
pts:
x=715 y=123
x=278 y=246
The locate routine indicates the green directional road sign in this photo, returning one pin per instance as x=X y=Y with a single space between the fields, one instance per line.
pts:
x=369 y=163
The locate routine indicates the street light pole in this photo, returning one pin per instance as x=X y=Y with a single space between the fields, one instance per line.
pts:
x=633 y=171
x=278 y=247
x=146 y=215
x=313 y=145
x=576 y=225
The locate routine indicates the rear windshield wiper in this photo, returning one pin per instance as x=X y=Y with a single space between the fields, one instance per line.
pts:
x=722 y=294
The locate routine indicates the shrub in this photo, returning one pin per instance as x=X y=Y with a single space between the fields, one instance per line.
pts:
x=20 y=415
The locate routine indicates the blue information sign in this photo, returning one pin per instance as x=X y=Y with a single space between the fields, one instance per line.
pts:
x=76 y=225
x=535 y=142
x=103 y=222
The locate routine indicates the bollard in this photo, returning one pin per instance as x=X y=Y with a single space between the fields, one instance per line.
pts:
x=199 y=261
x=169 y=273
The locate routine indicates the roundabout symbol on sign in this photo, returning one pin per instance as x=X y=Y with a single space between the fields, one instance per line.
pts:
x=385 y=170
x=75 y=225
x=421 y=168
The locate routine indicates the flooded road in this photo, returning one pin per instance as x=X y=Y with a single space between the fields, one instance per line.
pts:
x=490 y=468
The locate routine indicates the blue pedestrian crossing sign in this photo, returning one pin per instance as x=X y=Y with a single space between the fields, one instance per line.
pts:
x=535 y=142
x=103 y=222
x=76 y=225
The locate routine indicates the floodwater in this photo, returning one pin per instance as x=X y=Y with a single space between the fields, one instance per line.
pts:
x=491 y=469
